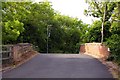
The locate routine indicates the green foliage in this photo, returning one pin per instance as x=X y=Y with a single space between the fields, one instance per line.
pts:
x=114 y=40
x=13 y=14
x=36 y=22
x=114 y=43
x=111 y=26
x=94 y=31
x=96 y=9
x=11 y=30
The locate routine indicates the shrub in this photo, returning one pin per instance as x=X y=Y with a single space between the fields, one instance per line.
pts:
x=114 y=44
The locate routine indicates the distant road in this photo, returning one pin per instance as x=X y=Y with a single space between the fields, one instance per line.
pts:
x=60 y=66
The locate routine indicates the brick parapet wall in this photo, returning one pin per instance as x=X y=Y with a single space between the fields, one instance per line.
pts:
x=82 y=48
x=96 y=50
x=16 y=55
x=21 y=49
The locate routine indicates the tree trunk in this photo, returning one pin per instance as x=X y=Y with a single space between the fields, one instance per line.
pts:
x=103 y=23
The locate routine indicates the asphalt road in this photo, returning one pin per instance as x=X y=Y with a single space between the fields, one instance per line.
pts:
x=60 y=66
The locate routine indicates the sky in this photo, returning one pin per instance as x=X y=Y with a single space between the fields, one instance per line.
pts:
x=72 y=8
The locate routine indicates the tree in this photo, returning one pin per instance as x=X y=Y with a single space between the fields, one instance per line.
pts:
x=96 y=9
x=27 y=22
x=13 y=14
x=111 y=25
x=114 y=40
x=41 y=16
x=102 y=10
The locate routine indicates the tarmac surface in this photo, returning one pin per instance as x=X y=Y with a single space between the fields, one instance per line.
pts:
x=60 y=66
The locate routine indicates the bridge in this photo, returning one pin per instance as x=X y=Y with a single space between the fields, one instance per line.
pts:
x=58 y=65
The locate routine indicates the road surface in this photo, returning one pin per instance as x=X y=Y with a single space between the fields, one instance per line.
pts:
x=60 y=66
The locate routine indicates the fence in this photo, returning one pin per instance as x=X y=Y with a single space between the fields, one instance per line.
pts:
x=15 y=53
x=6 y=54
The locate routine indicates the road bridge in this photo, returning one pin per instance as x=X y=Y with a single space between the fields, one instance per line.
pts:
x=60 y=66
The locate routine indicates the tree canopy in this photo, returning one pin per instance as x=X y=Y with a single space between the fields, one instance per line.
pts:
x=111 y=25
x=39 y=24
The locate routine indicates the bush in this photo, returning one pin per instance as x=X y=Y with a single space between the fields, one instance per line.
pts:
x=114 y=44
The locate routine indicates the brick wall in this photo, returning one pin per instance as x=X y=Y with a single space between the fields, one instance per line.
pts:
x=82 y=48
x=21 y=49
x=96 y=50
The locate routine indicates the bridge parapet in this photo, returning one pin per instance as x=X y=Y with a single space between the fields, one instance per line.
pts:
x=96 y=50
x=14 y=54
x=20 y=50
